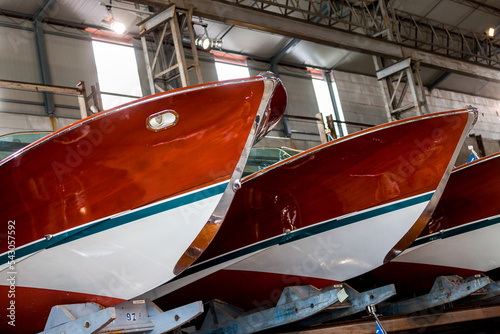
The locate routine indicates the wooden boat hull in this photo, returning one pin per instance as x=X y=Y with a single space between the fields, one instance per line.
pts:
x=107 y=209
x=328 y=214
x=462 y=236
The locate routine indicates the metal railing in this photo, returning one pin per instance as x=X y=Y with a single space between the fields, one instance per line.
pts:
x=379 y=18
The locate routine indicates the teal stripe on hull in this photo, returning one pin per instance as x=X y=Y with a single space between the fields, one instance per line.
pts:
x=307 y=232
x=457 y=231
x=110 y=223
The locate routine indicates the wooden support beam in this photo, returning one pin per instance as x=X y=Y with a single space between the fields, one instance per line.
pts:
x=82 y=100
x=154 y=21
x=194 y=51
x=39 y=87
x=179 y=51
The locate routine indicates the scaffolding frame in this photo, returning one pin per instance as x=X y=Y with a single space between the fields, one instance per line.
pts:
x=163 y=24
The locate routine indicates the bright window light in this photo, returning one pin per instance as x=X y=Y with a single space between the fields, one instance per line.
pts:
x=117 y=73
x=111 y=101
x=229 y=71
x=325 y=103
x=339 y=107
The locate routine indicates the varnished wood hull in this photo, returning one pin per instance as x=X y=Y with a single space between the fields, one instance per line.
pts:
x=462 y=236
x=327 y=214
x=107 y=209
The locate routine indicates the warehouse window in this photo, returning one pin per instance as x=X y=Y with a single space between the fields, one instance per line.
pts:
x=230 y=66
x=325 y=102
x=339 y=107
x=230 y=71
x=117 y=72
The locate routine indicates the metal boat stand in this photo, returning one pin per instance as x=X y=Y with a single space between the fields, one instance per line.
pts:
x=355 y=303
x=295 y=303
x=483 y=295
x=446 y=289
x=131 y=316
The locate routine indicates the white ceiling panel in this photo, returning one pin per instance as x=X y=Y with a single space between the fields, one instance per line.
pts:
x=429 y=75
x=92 y=13
x=309 y=53
x=251 y=42
x=480 y=21
x=472 y=86
x=454 y=14
x=420 y=7
x=450 y=13
x=21 y=6
x=359 y=63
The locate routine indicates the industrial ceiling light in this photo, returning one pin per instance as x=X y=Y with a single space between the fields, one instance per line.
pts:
x=118 y=27
x=491 y=32
x=207 y=43
x=203 y=42
x=110 y=22
x=217 y=44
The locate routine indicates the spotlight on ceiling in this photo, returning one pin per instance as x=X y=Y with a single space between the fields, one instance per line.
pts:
x=217 y=44
x=110 y=22
x=203 y=42
x=207 y=43
x=118 y=27
x=491 y=32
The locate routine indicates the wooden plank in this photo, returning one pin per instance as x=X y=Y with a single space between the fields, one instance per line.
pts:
x=408 y=323
x=154 y=21
x=39 y=87
x=179 y=51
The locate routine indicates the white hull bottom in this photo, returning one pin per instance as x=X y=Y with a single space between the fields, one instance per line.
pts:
x=336 y=250
x=474 y=246
x=124 y=261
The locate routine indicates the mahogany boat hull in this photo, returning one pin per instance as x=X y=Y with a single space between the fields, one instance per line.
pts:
x=328 y=214
x=462 y=236
x=112 y=206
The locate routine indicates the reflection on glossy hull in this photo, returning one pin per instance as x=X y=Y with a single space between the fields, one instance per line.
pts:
x=329 y=213
x=462 y=236
x=107 y=208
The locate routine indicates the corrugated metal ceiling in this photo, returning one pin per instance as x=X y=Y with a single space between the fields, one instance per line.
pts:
x=264 y=46
x=20 y=6
x=251 y=42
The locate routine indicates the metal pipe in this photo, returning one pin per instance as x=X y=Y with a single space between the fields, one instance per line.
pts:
x=44 y=66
